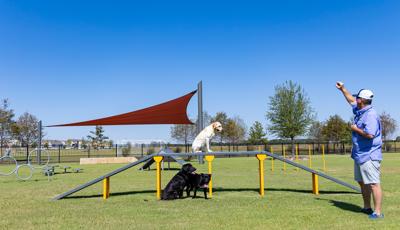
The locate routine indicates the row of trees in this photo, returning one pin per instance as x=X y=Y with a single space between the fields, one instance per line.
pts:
x=290 y=116
x=25 y=128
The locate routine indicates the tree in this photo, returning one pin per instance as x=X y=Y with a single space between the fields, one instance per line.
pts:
x=290 y=113
x=336 y=129
x=7 y=125
x=389 y=125
x=98 y=137
x=315 y=131
x=257 y=134
x=27 y=129
x=223 y=119
x=183 y=133
x=235 y=130
x=84 y=143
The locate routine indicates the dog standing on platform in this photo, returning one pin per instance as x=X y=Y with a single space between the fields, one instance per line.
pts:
x=202 y=142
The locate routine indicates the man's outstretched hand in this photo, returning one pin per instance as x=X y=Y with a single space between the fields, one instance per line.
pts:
x=339 y=85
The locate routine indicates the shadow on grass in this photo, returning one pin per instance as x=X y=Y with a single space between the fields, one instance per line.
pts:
x=216 y=190
x=112 y=194
x=343 y=205
x=278 y=190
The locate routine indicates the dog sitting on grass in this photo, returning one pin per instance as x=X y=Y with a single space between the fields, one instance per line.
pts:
x=197 y=181
x=175 y=187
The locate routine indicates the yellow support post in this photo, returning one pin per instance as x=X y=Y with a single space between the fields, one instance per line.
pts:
x=261 y=158
x=309 y=157
x=297 y=156
x=315 y=186
x=284 y=157
x=209 y=159
x=158 y=160
x=323 y=157
x=106 y=188
x=272 y=160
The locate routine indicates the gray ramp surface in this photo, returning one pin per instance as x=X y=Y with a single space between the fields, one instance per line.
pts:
x=97 y=180
x=174 y=155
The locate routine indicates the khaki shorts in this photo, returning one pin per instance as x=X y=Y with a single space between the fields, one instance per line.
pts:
x=368 y=172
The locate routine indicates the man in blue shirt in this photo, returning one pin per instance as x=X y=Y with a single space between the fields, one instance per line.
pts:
x=367 y=148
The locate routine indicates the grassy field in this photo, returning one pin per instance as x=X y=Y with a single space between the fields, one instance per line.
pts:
x=236 y=204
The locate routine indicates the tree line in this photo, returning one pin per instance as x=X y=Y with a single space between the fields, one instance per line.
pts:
x=24 y=129
x=289 y=116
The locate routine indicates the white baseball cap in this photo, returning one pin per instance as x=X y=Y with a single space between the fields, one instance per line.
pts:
x=365 y=93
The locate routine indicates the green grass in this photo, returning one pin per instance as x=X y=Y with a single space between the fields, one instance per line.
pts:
x=236 y=204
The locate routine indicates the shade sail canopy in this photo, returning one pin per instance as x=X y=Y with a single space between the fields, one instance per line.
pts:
x=170 y=112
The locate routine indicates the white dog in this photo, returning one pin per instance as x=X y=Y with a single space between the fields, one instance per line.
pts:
x=202 y=141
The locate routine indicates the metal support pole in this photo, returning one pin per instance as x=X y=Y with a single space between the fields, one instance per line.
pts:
x=261 y=158
x=209 y=159
x=106 y=188
x=309 y=157
x=284 y=157
x=27 y=154
x=272 y=159
x=158 y=160
x=200 y=122
x=297 y=156
x=323 y=157
x=59 y=154
x=39 y=151
x=315 y=184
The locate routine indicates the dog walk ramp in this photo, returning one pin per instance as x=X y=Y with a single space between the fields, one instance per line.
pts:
x=101 y=178
x=313 y=171
x=254 y=153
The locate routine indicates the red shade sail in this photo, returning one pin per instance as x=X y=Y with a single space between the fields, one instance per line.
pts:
x=170 y=112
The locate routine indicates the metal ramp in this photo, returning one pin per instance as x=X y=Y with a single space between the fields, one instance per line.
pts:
x=101 y=178
x=174 y=155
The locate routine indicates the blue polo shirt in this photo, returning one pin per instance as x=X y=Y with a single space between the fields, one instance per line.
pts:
x=365 y=149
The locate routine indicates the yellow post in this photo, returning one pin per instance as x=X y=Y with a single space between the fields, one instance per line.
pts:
x=272 y=160
x=284 y=157
x=261 y=158
x=297 y=156
x=209 y=159
x=309 y=157
x=158 y=160
x=106 y=188
x=323 y=157
x=315 y=188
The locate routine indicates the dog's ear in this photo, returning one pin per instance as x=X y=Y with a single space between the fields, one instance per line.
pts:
x=186 y=167
x=214 y=125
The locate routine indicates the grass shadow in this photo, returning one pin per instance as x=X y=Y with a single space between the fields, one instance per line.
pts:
x=112 y=194
x=217 y=190
x=343 y=205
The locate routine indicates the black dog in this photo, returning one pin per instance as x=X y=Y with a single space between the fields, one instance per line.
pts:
x=197 y=181
x=175 y=187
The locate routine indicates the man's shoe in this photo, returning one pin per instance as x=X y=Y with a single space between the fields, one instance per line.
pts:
x=375 y=216
x=367 y=211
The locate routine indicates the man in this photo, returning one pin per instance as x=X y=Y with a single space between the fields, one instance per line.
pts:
x=367 y=148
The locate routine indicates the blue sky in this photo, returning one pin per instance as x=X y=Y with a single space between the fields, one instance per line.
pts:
x=67 y=61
